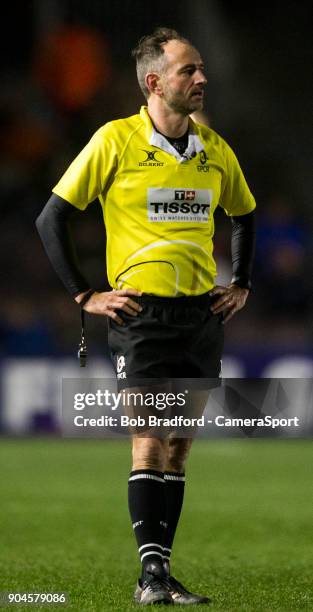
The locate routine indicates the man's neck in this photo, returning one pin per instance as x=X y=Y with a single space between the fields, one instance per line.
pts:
x=167 y=121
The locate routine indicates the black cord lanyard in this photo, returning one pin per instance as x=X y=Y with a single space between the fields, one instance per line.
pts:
x=82 y=347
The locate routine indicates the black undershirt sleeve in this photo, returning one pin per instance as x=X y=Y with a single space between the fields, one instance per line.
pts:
x=242 y=248
x=53 y=227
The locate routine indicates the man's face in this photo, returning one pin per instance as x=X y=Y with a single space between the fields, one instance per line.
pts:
x=183 y=80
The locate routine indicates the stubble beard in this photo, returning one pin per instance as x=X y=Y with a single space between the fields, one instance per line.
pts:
x=180 y=105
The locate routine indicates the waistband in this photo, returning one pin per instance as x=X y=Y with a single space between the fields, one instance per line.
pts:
x=184 y=301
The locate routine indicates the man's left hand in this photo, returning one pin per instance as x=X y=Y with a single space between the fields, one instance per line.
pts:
x=230 y=300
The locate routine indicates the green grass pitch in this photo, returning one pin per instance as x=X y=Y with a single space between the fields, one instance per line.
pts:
x=245 y=537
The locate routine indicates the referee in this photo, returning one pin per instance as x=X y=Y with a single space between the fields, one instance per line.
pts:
x=159 y=177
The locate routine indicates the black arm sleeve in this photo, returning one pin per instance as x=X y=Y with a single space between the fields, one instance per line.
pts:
x=242 y=248
x=53 y=227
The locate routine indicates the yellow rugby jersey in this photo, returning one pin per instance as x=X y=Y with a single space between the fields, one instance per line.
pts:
x=158 y=206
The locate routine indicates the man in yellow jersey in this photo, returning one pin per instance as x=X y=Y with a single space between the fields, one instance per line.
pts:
x=159 y=177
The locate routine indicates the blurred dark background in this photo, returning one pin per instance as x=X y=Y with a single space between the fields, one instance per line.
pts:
x=66 y=70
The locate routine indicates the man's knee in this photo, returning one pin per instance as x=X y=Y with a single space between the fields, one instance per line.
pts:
x=149 y=454
x=177 y=453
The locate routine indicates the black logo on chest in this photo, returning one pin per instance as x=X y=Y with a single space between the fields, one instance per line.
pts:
x=204 y=167
x=150 y=159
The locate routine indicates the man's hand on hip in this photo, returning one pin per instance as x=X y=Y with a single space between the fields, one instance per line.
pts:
x=230 y=300
x=107 y=302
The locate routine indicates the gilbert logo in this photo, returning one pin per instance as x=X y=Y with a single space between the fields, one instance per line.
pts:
x=137 y=524
x=150 y=159
x=120 y=365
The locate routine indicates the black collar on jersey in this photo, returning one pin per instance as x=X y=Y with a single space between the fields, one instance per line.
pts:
x=180 y=143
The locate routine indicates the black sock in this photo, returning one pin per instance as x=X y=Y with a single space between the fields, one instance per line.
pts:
x=147 y=507
x=174 y=493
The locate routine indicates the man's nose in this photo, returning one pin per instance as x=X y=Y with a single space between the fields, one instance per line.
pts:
x=200 y=77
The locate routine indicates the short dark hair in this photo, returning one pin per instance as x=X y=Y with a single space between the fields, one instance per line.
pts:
x=149 y=53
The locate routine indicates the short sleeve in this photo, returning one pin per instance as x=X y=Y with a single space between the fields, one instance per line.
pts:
x=87 y=176
x=236 y=197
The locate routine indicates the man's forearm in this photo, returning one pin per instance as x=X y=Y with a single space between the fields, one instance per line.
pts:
x=242 y=249
x=80 y=297
x=53 y=227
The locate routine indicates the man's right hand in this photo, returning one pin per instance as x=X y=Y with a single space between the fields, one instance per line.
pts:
x=107 y=302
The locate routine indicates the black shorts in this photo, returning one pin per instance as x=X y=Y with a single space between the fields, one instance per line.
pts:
x=172 y=338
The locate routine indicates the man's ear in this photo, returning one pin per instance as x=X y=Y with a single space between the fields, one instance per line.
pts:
x=153 y=83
